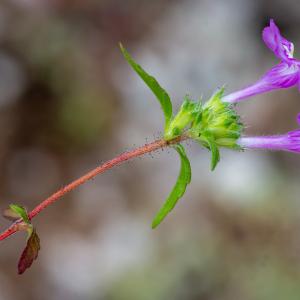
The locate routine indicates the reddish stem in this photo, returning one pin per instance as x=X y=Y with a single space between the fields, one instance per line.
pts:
x=98 y=170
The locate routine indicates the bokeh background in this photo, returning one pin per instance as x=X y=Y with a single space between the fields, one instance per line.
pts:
x=69 y=101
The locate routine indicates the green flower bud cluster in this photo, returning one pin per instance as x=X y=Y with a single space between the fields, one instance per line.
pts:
x=217 y=121
x=186 y=115
x=214 y=124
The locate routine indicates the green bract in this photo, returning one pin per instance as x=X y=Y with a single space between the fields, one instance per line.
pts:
x=217 y=125
x=214 y=124
x=188 y=111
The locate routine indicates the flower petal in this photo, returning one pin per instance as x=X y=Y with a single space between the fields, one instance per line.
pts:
x=282 y=75
x=299 y=79
x=287 y=142
x=298 y=119
x=282 y=48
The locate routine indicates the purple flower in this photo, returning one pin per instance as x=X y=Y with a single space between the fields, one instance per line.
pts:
x=283 y=75
x=286 y=142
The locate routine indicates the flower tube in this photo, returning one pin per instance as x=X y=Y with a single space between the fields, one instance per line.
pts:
x=286 y=142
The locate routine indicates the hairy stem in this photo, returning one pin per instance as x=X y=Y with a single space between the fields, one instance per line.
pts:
x=158 y=144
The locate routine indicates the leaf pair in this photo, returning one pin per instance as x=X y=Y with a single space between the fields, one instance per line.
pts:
x=30 y=252
x=184 y=176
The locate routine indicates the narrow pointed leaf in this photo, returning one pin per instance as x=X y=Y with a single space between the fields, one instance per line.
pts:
x=30 y=253
x=161 y=95
x=183 y=180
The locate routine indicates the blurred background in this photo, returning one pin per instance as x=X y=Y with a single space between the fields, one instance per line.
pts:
x=69 y=101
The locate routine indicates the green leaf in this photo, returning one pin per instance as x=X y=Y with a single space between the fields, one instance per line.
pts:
x=183 y=180
x=19 y=211
x=30 y=253
x=215 y=154
x=152 y=83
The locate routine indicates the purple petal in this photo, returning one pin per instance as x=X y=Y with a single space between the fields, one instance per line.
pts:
x=298 y=119
x=286 y=74
x=282 y=48
x=282 y=75
x=288 y=142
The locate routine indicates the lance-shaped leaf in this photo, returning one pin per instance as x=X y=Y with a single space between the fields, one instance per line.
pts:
x=30 y=253
x=161 y=95
x=183 y=180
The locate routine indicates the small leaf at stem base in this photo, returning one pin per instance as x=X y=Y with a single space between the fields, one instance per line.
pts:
x=30 y=253
x=15 y=212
